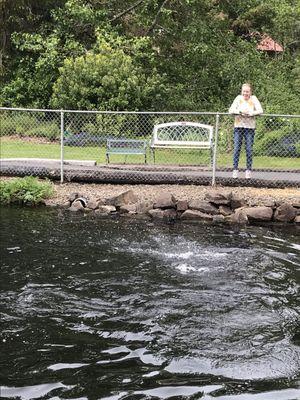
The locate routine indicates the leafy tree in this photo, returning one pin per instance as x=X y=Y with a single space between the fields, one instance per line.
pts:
x=107 y=80
x=20 y=16
x=286 y=23
x=184 y=55
x=35 y=76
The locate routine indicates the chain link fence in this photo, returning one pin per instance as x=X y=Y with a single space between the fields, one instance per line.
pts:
x=275 y=152
x=116 y=147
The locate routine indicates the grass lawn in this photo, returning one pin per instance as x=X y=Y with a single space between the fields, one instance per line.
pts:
x=23 y=149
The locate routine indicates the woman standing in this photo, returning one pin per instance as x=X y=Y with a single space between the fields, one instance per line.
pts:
x=244 y=107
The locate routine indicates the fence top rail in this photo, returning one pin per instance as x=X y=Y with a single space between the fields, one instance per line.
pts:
x=138 y=112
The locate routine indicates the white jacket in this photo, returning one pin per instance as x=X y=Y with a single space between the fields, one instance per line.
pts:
x=239 y=106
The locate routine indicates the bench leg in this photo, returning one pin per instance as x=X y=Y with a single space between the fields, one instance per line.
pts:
x=153 y=155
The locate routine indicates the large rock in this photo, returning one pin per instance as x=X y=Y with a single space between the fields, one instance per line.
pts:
x=182 y=205
x=156 y=213
x=203 y=206
x=164 y=200
x=73 y=196
x=237 y=202
x=297 y=219
x=279 y=202
x=285 y=213
x=170 y=214
x=128 y=208
x=239 y=217
x=195 y=215
x=259 y=213
x=143 y=207
x=105 y=209
x=224 y=210
x=92 y=204
x=124 y=198
x=218 y=219
x=76 y=206
x=268 y=203
x=101 y=202
x=218 y=198
x=260 y=202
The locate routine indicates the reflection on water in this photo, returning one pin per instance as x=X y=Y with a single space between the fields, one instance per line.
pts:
x=97 y=308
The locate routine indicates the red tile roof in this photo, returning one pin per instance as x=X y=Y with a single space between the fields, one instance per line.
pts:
x=268 y=44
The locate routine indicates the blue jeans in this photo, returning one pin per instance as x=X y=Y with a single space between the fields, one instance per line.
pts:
x=248 y=135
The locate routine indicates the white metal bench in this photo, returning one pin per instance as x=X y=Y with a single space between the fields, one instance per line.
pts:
x=182 y=135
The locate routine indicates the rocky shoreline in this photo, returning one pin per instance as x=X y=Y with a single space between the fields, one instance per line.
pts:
x=215 y=205
x=239 y=205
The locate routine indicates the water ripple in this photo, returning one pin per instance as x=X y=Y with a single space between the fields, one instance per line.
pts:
x=115 y=309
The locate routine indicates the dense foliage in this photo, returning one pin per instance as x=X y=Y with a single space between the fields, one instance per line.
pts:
x=28 y=190
x=148 y=54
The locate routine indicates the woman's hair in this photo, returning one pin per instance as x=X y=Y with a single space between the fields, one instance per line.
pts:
x=248 y=85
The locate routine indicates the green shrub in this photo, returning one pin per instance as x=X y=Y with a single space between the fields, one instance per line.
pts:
x=27 y=125
x=28 y=190
x=225 y=136
x=91 y=128
x=108 y=80
x=113 y=125
x=283 y=142
x=46 y=130
x=7 y=126
x=17 y=124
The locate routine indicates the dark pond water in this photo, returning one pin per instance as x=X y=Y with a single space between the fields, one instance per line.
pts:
x=118 y=309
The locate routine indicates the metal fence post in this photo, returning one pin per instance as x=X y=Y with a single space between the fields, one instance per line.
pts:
x=213 y=182
x=62 y=146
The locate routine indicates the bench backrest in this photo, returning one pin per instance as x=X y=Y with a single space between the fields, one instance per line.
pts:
x=129 y=144
x=182 y=133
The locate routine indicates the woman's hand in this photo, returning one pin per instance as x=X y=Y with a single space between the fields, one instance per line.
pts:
x=246 y=113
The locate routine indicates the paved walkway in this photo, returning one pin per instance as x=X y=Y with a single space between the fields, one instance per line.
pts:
x=87 y=171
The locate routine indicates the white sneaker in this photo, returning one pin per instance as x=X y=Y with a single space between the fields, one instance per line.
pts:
x=248 y=174
x=235 y=173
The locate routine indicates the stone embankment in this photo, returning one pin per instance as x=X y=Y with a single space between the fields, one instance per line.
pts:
x=216 y=207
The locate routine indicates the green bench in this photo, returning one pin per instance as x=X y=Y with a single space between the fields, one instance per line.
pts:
x=126 y=147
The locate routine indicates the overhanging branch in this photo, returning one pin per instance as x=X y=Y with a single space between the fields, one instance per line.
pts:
x=150 y=29
x=128 y=10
